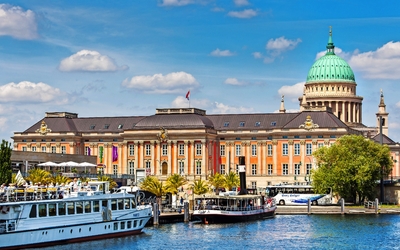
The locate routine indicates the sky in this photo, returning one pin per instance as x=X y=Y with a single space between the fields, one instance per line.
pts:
x=127 y=58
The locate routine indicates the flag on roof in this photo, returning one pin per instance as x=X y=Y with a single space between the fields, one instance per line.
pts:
x=188 y=95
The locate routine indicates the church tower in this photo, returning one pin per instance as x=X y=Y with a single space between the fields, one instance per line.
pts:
x=331 y=83
x=384 y=115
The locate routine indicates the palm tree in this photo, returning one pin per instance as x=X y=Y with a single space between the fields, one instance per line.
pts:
x=200 y=187
x=61 y=179
x=37 y=175
x=231 y=180
x=153 y=185
x=174 y=182
x=218 y=181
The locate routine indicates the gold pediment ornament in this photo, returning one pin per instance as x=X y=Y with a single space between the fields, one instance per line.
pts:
x=163 y=135
x=309 y=124
x=43 y=130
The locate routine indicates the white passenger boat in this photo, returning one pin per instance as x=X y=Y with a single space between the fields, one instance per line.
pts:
x=77 y=216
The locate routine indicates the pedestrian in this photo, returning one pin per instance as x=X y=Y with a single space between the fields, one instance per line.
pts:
x=181 y=201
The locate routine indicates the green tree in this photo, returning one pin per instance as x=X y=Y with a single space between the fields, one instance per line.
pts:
x=61 y=179
x=232 y=180
x=113 y=184
x=351 y=167
x=218 y=181
x=5 y=162
x=153 y=185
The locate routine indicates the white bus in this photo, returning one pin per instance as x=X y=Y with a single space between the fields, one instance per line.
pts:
x=298 y=195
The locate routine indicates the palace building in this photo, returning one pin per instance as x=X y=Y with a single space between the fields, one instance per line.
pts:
x=277 y=147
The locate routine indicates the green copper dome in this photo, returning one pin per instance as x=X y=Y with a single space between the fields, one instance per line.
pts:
x=330 y=67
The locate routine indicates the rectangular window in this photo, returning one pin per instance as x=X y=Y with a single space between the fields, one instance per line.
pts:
x=285 y=169
x=308 y=169
x=269 y=169
x=61 y=208
x=198 y=148
x=42 y=210
x=52 y=209
x=34 y=149
x=269 y=149
x=181 y=149
x=131 y=149
x=253 y=150
x=222 y=169
x=222 y=150
x=226 y=124
x=131 y=167
x=238 y=149
x=253 y=169
x=253 y=185
x=198 y=167
x=23 y=148
x=148 y=168
x=181 y=167
x=164 y=149
x=43 y=149
x=309 y=149
x=63 y=149
x=296 y=149
x=285 y=149
x=320 y=145
x=148 y=150
x=296 y=169
x=257 y=124
x=115 y=169
x=53 y=149
x=241 y=124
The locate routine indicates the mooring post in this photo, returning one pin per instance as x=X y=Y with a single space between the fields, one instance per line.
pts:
x=186 y=211
x=342 y=205
x=377 y=210
x=309 y=206
x=155 y=213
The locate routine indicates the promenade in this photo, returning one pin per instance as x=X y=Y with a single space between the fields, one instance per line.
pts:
x=293 y=210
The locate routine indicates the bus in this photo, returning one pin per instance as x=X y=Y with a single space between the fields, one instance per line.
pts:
x=298 y=195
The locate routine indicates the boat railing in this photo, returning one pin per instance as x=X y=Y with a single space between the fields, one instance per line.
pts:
x=27 y=194
x=227 y=208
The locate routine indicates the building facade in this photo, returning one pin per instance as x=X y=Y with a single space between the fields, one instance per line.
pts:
x=277 y=147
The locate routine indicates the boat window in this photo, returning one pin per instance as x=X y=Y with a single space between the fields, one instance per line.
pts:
x=71 y=208
x=140 y=223
x=96 y=207
x=133 y=204
x=52 y=209
x=87 y=207
x=120 y=204
x=115 y=225
x=113 y=204
x=104 y=203
x=127 y=204
x=129 y=225
x=135 y=223
x=61 y=208
x=32 y=214
x=42 y=210
x=79 y=207
x=122 y=224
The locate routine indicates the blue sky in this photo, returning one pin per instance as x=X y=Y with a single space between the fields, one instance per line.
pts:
x=123 y=58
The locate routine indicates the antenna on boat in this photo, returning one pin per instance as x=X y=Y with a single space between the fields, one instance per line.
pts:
x=242 y=175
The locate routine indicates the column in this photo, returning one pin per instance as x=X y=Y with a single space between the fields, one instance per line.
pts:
x=186 y=158
x=343 y=112
x=349 y=111
x=337 y=109
x=193 y=164
x=303 y=155
x=125 y=155
x=290 y=154
x=171 y=162
x=275 y=156
x=71 y=147
x=260 y=164
x=141 y=154
x=203 y=158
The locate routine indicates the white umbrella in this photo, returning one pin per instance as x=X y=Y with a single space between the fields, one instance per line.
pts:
x=87 y=164
x=69 y=164
x=47 y=164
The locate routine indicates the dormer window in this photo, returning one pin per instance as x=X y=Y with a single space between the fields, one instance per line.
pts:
x=92 y=126
x=241 y=124
x=106 y=126
x=226 y=124
x=120 y=126
x=273 y=124
x=257 y=124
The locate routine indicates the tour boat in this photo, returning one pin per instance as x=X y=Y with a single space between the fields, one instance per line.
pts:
x=48 y=217
x=229 y=207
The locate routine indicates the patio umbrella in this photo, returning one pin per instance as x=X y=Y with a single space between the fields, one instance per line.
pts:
x=47 y=164
x=87 y=164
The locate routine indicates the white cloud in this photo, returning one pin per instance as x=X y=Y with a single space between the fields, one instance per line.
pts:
x=234 y=81
x=292 y=92
x=176 y=82
x=281 y=44
x=383 y=63
x=220 y=53
x=87 y=60
x=176 y=2
x=218 y=9
x=17 y=23
x=28 y=92
x=182 y=102
x=220 y=108
x=248 y=13
x=241 y=2
x=338 y=51
x=257 y=55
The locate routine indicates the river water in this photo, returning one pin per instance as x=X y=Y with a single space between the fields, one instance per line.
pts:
x=281 y=232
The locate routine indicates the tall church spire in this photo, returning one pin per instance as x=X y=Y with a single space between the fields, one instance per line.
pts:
x=384 y=115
